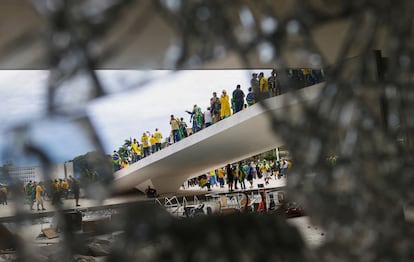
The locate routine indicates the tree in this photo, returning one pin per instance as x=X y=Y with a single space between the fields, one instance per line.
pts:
x=93 y=166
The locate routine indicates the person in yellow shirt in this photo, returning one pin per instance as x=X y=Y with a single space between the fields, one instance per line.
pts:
x=124 y=164
x=152 y=142
x=225 y=105
x=39 y=197
x=220 y=175
x=145 y=144
x=158 y=139
x=212 y=179
x=307 y=75
x=136 y=151
x=264 y=86
x=175 y=126
x=65 y=188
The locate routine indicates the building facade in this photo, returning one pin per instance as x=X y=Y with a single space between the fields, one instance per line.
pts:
x=36 y=173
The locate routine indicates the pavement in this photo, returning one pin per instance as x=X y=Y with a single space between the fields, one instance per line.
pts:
x=30 y=230
x=8 y=213
x=314 y=236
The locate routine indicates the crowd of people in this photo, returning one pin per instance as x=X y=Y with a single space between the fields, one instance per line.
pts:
x=53 y=189
x=236 y=175
x=150 y=143
x=220 y=107
x=225 y=105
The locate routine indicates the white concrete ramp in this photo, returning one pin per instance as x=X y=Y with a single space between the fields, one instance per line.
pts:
x=238 y=137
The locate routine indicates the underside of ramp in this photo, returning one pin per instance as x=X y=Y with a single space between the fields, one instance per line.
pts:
x=238 y=137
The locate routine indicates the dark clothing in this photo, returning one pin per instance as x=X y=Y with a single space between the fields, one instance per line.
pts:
x=151 y=192
x=230 y=175
x=250 y=174
x=3 y=198
x=75 y=190
x=274 y=85
x=238 y=98
x=215 y=105
x=238 y=94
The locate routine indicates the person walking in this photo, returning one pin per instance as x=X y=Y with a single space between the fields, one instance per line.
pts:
x=39 y=196
x=230 y=177
x=76 y=191
x=220 y=175
x=183 y=128
x=250 y=173
x=235 y=169
x=242 y=175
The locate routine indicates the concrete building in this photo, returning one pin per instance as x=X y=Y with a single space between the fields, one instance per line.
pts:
x=36 y=173
x=25 y=174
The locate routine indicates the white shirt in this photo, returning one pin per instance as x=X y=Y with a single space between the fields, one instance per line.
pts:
x=207 y=117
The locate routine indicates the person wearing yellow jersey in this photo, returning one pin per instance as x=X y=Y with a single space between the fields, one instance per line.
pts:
x=264 y=86
x=152 y=143
x=307 y=75
x=145 y=144
x=213 y=179
x=175 y=125
x=264 y=169
x=65 y=188
x=158 y=139
x=220 y=175
x=39 y=197
x=136 y=151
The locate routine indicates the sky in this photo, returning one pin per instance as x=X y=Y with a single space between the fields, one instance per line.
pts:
x=138 y=101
